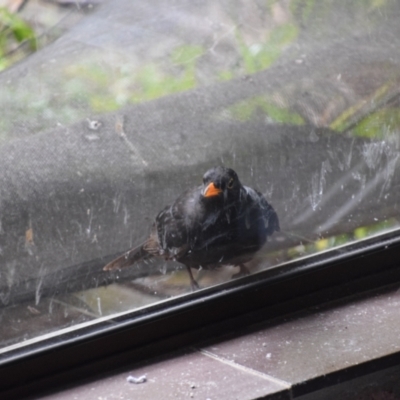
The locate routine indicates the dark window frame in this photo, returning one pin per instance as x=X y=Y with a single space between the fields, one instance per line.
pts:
x=183 y=321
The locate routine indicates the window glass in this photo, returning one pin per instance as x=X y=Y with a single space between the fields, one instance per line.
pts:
x=127 y=105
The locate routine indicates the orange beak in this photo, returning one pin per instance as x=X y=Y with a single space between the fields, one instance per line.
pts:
x=211 y=190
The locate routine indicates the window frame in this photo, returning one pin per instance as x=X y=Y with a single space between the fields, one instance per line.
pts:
x=179 y=322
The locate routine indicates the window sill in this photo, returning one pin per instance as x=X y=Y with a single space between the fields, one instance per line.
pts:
x=309 y=353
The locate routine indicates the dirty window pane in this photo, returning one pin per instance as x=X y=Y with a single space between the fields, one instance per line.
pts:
x=130 y=103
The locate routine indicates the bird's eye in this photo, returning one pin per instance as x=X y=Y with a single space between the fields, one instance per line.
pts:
x=230 y=183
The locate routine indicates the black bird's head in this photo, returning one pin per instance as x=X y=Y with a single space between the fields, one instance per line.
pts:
x=222 y=183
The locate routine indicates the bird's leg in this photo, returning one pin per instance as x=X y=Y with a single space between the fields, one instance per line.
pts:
x=193 y=284
x=242 y=272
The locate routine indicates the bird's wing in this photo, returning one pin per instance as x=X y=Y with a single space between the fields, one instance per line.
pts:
x=178 y=226
x=178 y=223
x=268 y=214
x=170 y=236
x=271 y=219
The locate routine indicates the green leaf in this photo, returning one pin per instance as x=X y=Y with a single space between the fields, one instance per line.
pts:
x=18 y=27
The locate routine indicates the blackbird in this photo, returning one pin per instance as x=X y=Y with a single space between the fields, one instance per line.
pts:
x=221 y=222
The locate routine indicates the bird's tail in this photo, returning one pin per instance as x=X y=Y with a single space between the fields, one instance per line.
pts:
x=127 y=259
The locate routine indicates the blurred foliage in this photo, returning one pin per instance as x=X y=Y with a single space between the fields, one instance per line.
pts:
x=110 y=90
x=107 y=89
x=98 y=84
x=363 y=232
x=14 y=31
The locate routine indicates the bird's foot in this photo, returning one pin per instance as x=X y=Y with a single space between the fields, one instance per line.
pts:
x=243 y=271
x=193 y=284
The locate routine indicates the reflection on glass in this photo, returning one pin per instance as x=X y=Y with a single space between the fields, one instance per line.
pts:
x=103 y=128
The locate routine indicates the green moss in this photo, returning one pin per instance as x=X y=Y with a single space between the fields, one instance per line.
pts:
x=14 y=29
x=248 y=109
x=186 y=55
x=101 y=104
x=366 y=231
x=282 y=115
x=225 y=75
x=375 y=124
x=335 y=241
